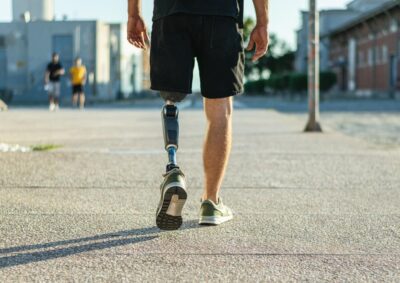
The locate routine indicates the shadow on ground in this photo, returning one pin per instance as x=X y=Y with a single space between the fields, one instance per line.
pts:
x=108 y=240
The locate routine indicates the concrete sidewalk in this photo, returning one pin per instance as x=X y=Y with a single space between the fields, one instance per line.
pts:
x=309 y=207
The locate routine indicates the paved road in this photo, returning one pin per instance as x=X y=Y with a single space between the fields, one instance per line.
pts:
x=309 y=207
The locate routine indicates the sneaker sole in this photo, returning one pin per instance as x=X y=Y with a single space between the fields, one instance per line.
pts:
x=169 y=215
x=213 y=220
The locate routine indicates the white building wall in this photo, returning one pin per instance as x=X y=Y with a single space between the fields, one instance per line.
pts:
x=102 y=67
x=131 y=65
x=125 y=71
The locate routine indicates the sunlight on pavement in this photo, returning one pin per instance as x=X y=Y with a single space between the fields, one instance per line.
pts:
x=14 y=148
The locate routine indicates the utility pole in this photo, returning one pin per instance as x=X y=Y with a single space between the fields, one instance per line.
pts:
x=313 y=69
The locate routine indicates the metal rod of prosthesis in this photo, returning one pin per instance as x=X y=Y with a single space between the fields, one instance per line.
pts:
x=172 y=156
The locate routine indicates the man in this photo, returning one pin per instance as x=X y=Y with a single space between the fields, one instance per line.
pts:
x=208 y=30
x=78 y=80
x=52 y=78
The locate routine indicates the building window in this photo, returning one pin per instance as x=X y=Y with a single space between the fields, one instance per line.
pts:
x=384 y=54
x=370 y=57
x=360 y=59
x=377 y=51
x=393 y=25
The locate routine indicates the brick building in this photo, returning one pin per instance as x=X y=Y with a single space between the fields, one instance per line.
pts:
x=329 y=21
x=365 y=52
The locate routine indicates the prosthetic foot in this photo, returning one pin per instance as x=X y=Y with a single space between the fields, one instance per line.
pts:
x=173 y=189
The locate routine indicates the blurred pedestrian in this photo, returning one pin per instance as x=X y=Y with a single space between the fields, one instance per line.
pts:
x=78 y=81
x=52 y=79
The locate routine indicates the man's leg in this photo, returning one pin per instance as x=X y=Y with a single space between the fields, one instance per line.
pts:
x=51 y=99
x=82 y=100
x=217 y=145
x=173 y=188
x=75 y=100
x=57 y=92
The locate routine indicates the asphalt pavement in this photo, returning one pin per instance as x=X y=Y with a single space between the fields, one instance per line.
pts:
x=308 y=207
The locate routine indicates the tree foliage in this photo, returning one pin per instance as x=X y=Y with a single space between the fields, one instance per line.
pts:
x=279 y=58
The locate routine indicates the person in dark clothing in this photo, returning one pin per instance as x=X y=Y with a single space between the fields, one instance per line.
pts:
x=52 y=78
x=209 y=31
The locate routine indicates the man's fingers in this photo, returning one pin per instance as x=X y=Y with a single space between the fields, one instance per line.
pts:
x=136 y=43
x=260 y=52
x=143 y=40
x=130 y=40
x=137 y=40
x=146 y=38
x=251 y=45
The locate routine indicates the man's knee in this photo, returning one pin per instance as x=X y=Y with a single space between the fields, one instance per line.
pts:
x=219 y=110
x=174 y=97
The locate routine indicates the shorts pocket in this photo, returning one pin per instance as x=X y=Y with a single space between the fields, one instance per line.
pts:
x=225 y=34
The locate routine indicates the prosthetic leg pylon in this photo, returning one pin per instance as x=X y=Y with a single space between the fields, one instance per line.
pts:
x=170 y=115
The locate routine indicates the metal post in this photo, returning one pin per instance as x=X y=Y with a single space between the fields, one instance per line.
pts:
x=313 y=69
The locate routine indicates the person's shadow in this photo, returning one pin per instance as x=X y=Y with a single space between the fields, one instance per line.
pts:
x=105 y=241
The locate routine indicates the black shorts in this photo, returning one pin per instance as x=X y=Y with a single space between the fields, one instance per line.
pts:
x=77 y=89
x=216 y=42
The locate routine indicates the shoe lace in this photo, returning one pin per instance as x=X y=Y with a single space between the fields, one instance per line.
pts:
x=173 y=171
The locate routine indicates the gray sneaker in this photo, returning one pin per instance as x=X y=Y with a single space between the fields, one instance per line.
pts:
x=214 y=214
x=173 y=198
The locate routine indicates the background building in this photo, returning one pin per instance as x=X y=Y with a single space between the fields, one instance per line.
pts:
x=365 y=52
x=329 y=20
x=26 y=45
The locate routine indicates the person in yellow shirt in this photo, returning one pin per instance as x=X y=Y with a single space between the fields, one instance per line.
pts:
x=78 y=80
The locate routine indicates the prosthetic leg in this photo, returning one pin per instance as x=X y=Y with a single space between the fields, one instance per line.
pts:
x=170 y=115
x=173 y=189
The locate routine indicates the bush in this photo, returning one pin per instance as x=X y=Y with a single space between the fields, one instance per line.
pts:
x=327 y=80
x=255 y=86
x=293 y=82
x=278 y=82
x=298 y=82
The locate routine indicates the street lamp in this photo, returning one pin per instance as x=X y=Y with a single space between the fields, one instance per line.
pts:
x=313 y=69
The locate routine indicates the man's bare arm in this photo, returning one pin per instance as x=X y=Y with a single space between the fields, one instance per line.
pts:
x=259 y=37
x=46 y=77
x=134 y=7
x=136 y=33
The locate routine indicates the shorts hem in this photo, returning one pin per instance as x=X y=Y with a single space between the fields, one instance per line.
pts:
x=211 y=96
x=159 y=88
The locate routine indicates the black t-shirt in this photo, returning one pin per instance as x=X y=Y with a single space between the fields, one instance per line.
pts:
x=232 y=8
x=52 y=68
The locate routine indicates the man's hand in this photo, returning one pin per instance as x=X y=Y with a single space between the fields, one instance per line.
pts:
x=60 y=72
x=137 y=33
x=259 y=39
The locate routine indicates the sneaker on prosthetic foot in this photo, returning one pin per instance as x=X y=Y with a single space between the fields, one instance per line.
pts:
x=212 y=213
x=173 y=198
